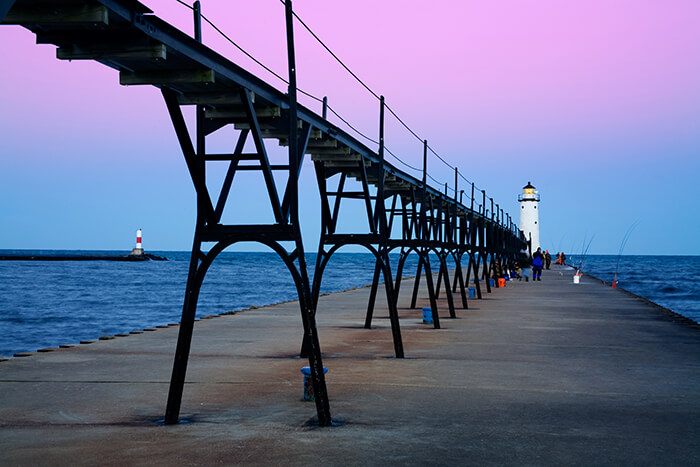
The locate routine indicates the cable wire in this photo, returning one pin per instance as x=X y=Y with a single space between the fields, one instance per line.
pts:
x=242 y=50
x=433 y=178
x=352 y=127
x=276 y=75
x=332 y=54
x=404 y=163
x=365 y=86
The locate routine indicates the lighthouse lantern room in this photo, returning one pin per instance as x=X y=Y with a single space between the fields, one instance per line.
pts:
x=529 y=215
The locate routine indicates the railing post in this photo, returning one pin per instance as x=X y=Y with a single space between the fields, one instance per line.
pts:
x=485 y=242
x=380 y=209
x=456 y=186
x=292 y=92
x=197 y=11
x=425 y=166
x=472 y=205
x=200 y=138
x=424 y=192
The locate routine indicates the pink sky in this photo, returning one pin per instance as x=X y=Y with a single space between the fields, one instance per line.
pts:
x=594 y=102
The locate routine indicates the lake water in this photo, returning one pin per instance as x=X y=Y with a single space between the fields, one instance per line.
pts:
x=49 y=303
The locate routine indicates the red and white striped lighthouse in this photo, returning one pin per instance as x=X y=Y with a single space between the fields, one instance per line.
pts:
x=138 y=251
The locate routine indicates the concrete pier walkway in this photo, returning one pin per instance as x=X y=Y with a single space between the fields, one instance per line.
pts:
x=538 y=373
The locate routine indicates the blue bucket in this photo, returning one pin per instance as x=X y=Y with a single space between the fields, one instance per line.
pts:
x=492 y=282
x=472 y=292
x=427 y=315
x=308 y=387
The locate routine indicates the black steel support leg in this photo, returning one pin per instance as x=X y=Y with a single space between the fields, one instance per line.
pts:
x=373 y=295
x=474 y=265
x=486 y=274
x=459 y=279
x=416 y=283
x=399 y=275
x=458 y=271
x=393 y=310
x=184 y=340
x=448 y=290
x=431 y=291
x=318 y=380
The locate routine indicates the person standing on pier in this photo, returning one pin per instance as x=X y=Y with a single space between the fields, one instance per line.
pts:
x=547 y=259
x=537 y=263
x=525 y=262
x=497 y=271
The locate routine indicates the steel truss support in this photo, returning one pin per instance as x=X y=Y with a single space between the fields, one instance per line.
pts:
x=424 y=265
x=209 y=229
x=443 y=273
x=377 y=238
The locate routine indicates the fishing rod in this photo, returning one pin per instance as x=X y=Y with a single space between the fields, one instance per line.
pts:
x=584 y=251
x=625 y=239
x=561 y=240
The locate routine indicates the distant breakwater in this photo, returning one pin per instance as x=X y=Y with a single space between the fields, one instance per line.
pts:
x=143 y=257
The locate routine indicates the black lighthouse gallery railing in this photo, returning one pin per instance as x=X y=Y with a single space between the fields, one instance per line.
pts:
x=403 y=213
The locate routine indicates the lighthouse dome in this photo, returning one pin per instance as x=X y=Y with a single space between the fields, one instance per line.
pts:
x=529 y=193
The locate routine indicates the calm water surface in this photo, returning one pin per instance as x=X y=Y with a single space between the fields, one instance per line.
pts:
x=49 y=303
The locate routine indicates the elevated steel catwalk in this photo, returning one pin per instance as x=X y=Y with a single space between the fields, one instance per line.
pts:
x=126 y=36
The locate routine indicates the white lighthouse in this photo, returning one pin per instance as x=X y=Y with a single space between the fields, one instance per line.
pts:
x=529 y=215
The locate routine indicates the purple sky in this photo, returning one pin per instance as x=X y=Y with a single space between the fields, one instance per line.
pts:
x=597 y=103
